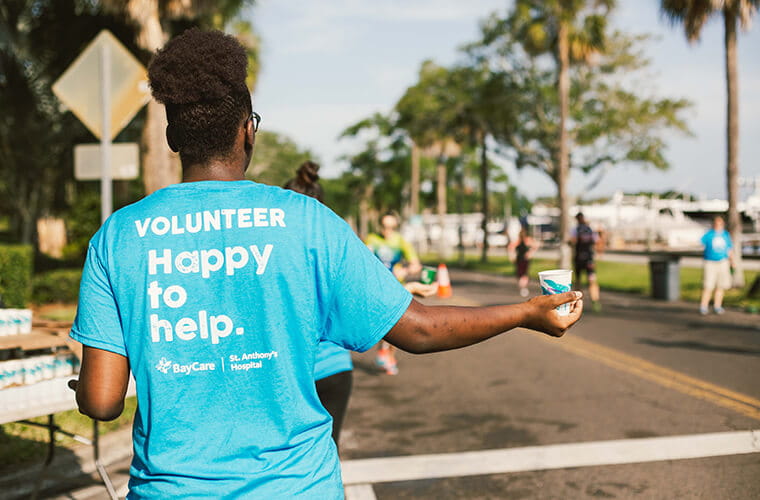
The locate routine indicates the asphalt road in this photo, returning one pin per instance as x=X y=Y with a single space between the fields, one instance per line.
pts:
x=638 y=370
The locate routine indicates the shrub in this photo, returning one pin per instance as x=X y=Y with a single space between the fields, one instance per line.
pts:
x=15 y=274
x=61 y=285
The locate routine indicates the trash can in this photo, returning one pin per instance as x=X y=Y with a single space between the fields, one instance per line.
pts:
x=665 y=277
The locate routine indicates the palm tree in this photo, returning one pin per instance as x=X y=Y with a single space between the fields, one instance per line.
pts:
x=693 y=14
x=426 y=114
x=155 y=20
x=571 y=31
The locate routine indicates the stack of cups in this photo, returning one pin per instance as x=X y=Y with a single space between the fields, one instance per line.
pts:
x=557 y=281
x=36 y=369
x=15 y=321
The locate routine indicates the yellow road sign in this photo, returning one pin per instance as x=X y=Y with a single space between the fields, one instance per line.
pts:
x=79 y=88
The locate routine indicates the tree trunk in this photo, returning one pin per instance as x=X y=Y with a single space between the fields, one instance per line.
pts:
x=28 y=212
x=145 y=15
x=732 y=143
x=484 y=194
x=415 y=182
x=160 y=166
x=563 y=160
x=460 y=211
x=441 y=175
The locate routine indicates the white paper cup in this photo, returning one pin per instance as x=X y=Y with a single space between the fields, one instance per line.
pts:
x=25 y=315
x=557 y=281
x=4 y=328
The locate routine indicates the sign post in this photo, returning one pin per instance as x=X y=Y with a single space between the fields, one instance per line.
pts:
x=105 y=69
x=106 y=183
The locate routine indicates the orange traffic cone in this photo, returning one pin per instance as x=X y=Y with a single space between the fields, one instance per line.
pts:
x=444 y=283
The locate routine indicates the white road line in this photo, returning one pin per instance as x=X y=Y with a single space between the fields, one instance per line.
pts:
x=560 y=456
x=360 y=492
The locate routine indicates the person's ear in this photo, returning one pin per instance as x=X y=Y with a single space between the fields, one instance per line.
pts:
x=250 y=135
x=170 y=140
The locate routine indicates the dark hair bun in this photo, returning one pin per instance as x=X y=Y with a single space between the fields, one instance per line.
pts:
x=309 y=172
x=198 y=66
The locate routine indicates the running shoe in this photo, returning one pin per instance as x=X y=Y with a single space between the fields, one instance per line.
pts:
x=719 y=310
x=596 y=307
x=391 y=368
x=524 y=292
x=703 y=310
x=382 y=359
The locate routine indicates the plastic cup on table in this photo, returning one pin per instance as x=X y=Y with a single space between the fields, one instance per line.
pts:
x=557 y=281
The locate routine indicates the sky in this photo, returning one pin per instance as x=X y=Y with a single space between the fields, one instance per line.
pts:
x=327 y=64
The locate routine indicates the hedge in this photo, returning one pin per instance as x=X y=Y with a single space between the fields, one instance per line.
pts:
x=61 y=285
x=16 y=274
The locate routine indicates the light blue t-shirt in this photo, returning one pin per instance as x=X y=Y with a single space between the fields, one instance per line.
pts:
x=717 y=245
x=218 y=293
x=331 y=359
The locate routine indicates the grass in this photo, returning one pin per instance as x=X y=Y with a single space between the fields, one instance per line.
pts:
x=617 y=277
x=22 y=443
x=56 y=312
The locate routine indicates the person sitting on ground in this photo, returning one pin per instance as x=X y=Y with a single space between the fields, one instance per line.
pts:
x=215 y=293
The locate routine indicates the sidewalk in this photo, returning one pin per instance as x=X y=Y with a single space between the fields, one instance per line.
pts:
x=68 y=471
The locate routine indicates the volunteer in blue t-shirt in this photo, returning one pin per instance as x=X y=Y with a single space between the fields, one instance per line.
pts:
x=216 y=292
x=333 y=368
x=718 y=260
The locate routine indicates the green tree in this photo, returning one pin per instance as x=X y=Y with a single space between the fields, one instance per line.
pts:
x=604 y=120
x=571 y=32
x=454 y=110
x=426 y=113
x=156 y=21
x=38 y=40
x=693 y=14
x=484 y=109
x=275 y=158
x=378 y=173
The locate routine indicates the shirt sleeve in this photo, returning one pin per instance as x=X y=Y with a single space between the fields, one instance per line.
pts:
x=366 y=299
x=729 y=243
x=97 y=322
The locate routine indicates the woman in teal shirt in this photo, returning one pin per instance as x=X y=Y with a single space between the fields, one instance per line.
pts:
x=333 y=369
x=215 y=293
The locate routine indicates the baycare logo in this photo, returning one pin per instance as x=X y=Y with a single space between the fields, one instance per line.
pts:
x=163 y=365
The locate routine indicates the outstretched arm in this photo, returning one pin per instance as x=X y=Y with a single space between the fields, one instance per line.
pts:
x=424 y=329
x=102 y=384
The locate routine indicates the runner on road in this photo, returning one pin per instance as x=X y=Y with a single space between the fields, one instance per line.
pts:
x=399 y=257
x=584 y=241
x=216 y=292
x=521 y=251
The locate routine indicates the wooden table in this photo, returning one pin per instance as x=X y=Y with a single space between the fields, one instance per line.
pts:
x=40 y=338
